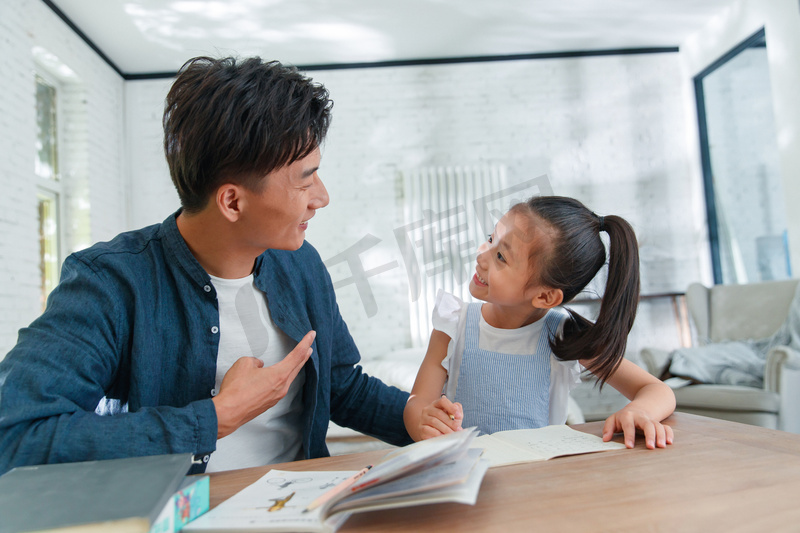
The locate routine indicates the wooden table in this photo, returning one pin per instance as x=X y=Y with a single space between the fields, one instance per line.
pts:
x=718 y=476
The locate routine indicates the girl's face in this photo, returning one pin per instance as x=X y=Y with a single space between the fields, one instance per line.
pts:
x=503 y=271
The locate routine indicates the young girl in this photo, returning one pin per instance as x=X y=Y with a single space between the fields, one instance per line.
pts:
x=511 y=362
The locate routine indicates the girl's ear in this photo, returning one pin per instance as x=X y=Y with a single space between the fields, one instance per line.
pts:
x=547 y=298
x=229 y=199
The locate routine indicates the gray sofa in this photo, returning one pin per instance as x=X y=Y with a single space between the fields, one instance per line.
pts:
x=734 y=313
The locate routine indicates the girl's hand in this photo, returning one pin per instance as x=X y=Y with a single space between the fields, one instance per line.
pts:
x=628 y=419
x=651 y=402
x=440 y=417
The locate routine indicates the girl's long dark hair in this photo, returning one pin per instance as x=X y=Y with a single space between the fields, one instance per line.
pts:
x=577 y=255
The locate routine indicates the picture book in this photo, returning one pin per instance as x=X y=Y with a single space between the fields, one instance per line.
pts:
x=442 y=469
x=526 y=445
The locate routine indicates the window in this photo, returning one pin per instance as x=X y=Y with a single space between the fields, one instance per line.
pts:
x=46 y=169
x=46 y=130
x=48 y=243
x=744 y=193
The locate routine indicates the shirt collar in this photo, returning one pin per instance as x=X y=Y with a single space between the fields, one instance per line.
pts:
x=175 y=247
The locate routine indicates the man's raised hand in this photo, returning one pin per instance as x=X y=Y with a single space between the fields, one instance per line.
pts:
x=249 y=388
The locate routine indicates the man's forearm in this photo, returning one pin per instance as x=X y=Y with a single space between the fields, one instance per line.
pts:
x=83 y=436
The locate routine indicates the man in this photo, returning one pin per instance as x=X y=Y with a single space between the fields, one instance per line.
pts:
x=173 y=338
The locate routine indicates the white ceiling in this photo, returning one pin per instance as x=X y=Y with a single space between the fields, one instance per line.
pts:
x=152 y=36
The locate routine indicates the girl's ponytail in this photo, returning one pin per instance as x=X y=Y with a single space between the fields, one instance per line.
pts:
x=608 y=336
x=578 y=254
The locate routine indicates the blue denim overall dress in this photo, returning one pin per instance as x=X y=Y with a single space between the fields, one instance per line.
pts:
x=501 y=391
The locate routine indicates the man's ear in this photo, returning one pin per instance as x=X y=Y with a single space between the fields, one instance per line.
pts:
x=547 y=298
x=229 y=200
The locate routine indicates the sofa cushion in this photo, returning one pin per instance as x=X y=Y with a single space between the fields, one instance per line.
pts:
x=727 y=398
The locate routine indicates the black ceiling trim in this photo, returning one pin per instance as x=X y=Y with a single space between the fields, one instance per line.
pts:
x=482 y=59
x=381 y=64
x=449 y=60
x=83 y=36
x=149 y=76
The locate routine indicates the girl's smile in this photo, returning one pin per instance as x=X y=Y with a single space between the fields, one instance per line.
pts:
x=504 y=271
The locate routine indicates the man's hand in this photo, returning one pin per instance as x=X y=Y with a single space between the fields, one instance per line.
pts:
x=248 y=388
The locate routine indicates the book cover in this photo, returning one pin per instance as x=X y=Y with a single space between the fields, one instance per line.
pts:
x=114 y=495
x=190 y=501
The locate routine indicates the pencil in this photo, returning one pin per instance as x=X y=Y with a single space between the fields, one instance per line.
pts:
x=452 y=416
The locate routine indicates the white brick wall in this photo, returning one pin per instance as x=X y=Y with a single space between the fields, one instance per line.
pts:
x=93 y=162
x=18 y=237
x=153 y=196
x=607 y=130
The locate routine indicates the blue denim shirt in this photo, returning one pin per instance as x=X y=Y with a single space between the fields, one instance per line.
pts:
x=134 y=327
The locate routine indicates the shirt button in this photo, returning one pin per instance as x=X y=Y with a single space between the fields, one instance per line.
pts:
x=213 y=392
x=207 y=288
x=214 y=329
x=205 y=458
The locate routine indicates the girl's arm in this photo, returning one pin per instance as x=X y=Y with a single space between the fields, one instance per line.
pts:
x=651 y=402
x=428 y=412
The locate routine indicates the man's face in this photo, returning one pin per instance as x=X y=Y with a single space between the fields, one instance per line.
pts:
x=278 y=215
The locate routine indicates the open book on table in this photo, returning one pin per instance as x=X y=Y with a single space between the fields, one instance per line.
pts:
x=442 y=469
x=527 y=445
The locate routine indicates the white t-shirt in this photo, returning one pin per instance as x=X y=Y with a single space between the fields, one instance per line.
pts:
x=450 y=317
x=246 y=329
